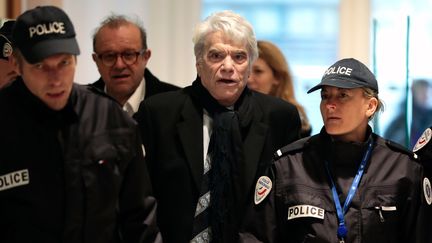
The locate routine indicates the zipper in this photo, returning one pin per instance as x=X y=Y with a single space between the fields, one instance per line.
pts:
x=380 y=213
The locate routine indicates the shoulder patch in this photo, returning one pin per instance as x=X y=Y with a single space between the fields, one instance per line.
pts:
x=262 y=189
x=424 y=139
x=399 y=148
x=292 y=147
x=427 y=191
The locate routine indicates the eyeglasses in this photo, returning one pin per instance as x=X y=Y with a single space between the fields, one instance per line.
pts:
x=128 y=57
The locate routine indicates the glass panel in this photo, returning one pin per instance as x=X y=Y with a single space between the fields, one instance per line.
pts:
x=403 y=36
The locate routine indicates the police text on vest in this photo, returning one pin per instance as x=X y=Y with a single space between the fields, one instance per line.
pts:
x=301 y=211
x=14 y=179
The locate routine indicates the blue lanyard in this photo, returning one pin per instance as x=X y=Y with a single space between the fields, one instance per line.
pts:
x=342 y=230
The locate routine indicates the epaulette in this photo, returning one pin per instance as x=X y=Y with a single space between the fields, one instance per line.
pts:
x=399 y=148
x=290 y=148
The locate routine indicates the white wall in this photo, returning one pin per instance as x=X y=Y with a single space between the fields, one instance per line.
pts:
x=170 y=26
x=354 y=35
x=2 y=9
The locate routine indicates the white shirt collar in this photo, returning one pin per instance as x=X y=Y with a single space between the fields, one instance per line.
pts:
x=136 y=98
x=132 y=104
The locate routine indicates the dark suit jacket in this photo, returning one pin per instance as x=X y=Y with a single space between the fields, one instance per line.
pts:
x=172 y=130
x=152 y=85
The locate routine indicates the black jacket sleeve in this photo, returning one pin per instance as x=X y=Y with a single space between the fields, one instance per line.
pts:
x=137 y=206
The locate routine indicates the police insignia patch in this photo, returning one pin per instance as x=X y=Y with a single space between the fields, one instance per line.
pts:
x=262 y=189
x=427 y=191
x=7 y=49
x=423 y=140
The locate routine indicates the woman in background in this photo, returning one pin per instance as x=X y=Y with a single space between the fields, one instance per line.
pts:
x=270 y=75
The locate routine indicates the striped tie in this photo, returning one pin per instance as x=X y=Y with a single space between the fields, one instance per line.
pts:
x=201 y=231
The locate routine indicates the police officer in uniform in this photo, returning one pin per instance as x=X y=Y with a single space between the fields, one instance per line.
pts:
x=423 y=148
x=7 y=67
x=345 y=184
x=71 y=161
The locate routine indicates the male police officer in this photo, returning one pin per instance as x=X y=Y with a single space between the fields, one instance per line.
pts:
x=71 y=164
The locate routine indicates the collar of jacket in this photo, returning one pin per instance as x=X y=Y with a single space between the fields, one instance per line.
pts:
x=33 y=105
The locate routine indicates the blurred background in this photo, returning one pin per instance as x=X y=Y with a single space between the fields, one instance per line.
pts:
x=392 y=37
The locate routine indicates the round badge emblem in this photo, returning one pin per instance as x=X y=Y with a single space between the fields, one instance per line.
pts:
x=427 y=190
x=7 y=49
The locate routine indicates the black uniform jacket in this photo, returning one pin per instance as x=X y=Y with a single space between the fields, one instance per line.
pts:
x=172 y=128
x=300 y=208
x=152 y=85
x=75 y=175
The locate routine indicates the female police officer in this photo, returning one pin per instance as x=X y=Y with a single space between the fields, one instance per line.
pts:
x=345 y=184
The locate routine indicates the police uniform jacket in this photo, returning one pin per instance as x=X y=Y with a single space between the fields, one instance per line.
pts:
x=172 y=131
x=300 y=207
x=75 y=175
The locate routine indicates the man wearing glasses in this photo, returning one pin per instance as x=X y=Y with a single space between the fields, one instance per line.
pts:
x=121 y=55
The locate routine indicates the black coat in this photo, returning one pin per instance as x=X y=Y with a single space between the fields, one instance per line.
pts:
x=172 y=131
x=152 y=85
